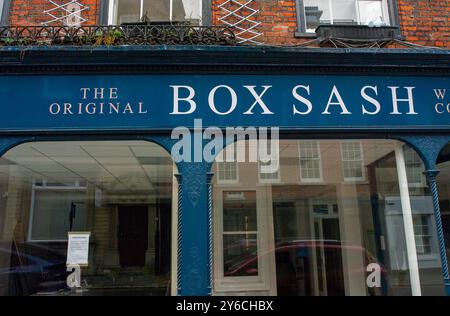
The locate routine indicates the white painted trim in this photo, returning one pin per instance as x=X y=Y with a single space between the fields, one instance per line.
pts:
x=141 y=9
x=408 y=221
x=200 y=11
x=112 y=11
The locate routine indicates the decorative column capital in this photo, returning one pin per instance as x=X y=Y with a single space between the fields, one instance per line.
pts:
x=209 y=177
x=431 y=174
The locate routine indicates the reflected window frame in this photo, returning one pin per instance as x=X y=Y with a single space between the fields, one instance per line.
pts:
x=41 y=185
x=228 y=283
x=303 y=180
x=361 y=160
x=269 y=180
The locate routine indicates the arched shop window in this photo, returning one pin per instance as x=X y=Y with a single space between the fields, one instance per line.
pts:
x=118 y=191
x=326 y=235
x=443 y=184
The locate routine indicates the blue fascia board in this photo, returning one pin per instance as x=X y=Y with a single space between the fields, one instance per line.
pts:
x=263 y=56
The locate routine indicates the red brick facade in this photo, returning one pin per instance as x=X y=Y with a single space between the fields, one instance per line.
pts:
x=30 y=12
x=423 y=22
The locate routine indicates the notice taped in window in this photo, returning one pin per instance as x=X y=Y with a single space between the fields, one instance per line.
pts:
x=78 y=248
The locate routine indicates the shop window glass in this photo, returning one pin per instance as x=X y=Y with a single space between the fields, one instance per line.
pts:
x=342 y=12
x=293 y=237
x=118 y=191
x=156 y=11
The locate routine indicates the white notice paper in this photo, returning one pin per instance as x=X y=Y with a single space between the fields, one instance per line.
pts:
x=78 y=248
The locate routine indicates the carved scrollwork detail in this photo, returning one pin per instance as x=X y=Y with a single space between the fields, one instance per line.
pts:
x=428 y=147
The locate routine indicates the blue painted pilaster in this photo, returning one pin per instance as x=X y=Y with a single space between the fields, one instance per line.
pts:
x=429 y=147
x=194 y=222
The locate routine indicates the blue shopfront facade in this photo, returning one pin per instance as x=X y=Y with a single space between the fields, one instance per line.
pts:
x=56 y=94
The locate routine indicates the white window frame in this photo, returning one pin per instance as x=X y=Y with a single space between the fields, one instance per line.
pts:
x=44 y=187
x=234 y=283
x=363 y=169
x=310 y=180
x=422 y=237
x=301 y=15
x=113 y=7
x=227 y=181
x=265 y=281
x=269 y=180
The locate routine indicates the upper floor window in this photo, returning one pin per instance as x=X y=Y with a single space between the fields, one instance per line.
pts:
x=269 y=174
x=352 y=161
x=312 y=13
x=155 y=11
x=310 y=161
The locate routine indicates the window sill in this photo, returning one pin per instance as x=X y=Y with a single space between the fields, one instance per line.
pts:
x=358 y=32
x=305 y=35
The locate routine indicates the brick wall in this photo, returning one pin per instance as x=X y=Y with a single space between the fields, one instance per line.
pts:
x=424 y=22
x=30 y=12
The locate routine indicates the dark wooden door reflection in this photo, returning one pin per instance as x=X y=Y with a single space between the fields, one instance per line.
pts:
x=133 y=235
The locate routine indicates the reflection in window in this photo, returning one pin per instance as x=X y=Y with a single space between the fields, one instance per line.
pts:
x=57 y=210
x=422 y=233
x=119 y=191
x=318 y=237
x=268 y=176
x=310 y=163
x=239 y=234
x=352 y=161
x=414 y=167
x=227 y=172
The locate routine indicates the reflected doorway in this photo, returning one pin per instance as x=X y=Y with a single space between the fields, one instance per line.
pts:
x=133 y=235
